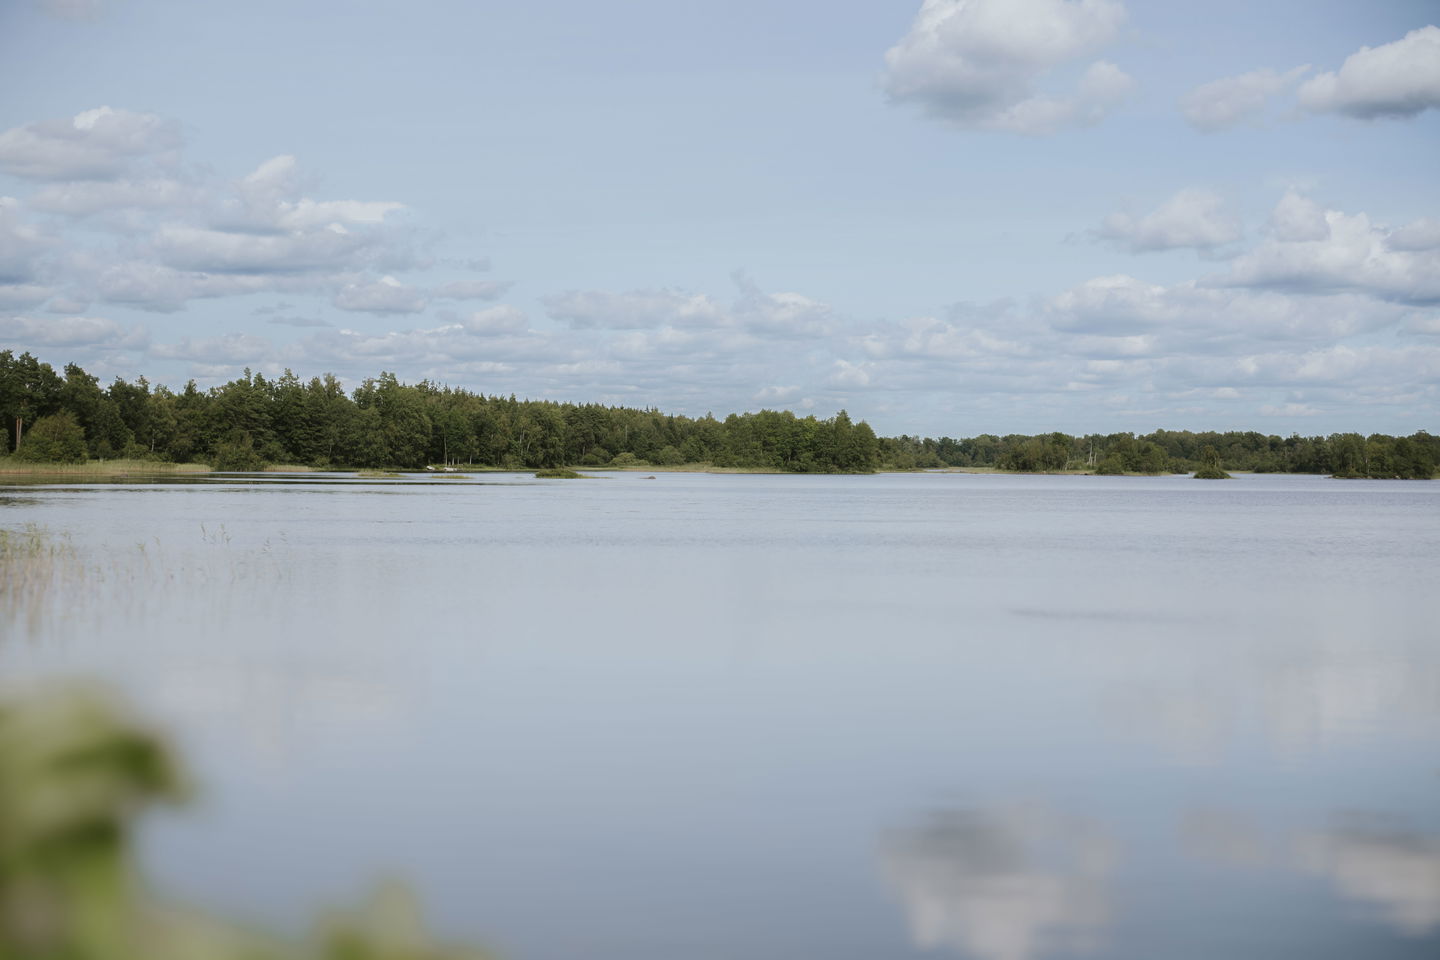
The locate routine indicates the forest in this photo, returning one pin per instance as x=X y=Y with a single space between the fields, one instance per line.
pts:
x=251 y=422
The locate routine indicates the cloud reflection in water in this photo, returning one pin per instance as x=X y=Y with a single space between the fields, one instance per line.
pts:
x=1377 y=862
x=1002 y=885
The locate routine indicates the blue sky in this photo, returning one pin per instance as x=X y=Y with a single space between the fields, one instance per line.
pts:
x=947 y=218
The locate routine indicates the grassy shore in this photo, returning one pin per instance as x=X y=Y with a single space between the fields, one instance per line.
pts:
x=703 y=466
x=1077 y=472
x=10 y=467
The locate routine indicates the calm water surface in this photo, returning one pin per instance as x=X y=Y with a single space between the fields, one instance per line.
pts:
x=1000 y=718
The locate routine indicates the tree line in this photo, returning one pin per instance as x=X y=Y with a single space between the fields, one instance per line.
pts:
x=252 y=421
x=1178 y=451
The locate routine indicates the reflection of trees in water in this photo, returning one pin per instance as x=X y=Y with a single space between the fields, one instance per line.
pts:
x=1378 y=862
x=1001 y=885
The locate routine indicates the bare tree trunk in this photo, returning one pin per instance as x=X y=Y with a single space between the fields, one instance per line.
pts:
x=19 y=423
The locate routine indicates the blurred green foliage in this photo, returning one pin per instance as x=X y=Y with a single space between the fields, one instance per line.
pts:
x=75 y=772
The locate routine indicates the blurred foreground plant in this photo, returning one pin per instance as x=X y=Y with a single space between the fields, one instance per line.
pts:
x=75 y=772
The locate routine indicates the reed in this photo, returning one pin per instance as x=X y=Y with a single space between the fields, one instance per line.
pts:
x=11 y=467
x=36 y=567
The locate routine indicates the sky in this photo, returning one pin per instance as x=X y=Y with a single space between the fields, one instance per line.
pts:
x=947 y=218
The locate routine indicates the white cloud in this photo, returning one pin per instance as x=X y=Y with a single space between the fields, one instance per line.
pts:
x=1422 y=234
x=135 y=232
x=472 y=290
x=1352 y=254
x=1116 y=305
x=298 y=321
x=927 y=338
x=386 y=295
x=1229 y=101
x=231 y=349
x=789 y=315
x=755 y=312
x=1297 y=218
x=847 y=374
x=1399 y=79
x=70 y=332
x=21 y=243
x=1192 y=218
x=775 y=394
x=501 y=318
x=220 y=251
x=270 y=197
x=81 y=198
x=1196 y=318
x=20 y=295
x=99 y=144
x=1129 y=343
x=633 y=310
x=1289 y=410
x=980 y=63
x=66 y=305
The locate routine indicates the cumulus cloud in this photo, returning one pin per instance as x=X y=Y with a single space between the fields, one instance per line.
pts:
x=680 y=315
x=443 y=349
x=298 y=322
x=70 y=332
x=176 y=237
x=270 y=198
x=1297 y=218
x=1227 y=102
x=1399 y=79
x=83 y=198
x=633 y=310
x=980 y=63
x=847 y=374
x=695 y=354
x=472 y=290
x=66 y=305
x=221 y=251
x=1118 y=305
x=776 y=394
x=386 y=295
x=19 y=295
x=1124 y=340
x=779 y=315
x=230 y=349
x=22 y=243
x=929 y=338
x=1197 y=318
x=502 y=318
x=1193 y=218
x=1422 y=234
x=1335 y=252
x=98 y=144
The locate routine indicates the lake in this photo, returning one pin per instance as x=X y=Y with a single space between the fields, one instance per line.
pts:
x=706 y=716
